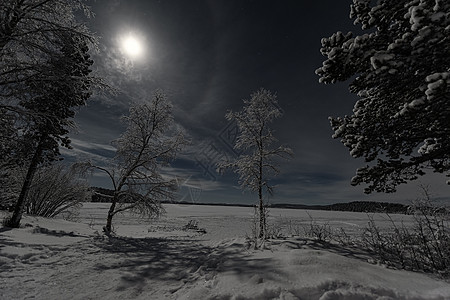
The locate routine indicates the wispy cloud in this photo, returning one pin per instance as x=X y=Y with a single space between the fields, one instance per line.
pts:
x=82 y=151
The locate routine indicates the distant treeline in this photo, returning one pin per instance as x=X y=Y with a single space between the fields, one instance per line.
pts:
x=355 y=206
x=104 y=195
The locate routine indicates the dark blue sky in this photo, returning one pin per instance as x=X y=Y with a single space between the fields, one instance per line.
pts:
x=208 y=56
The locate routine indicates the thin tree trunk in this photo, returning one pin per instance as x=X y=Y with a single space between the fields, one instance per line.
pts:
x=20 y=204
x=262 y=221
x=111 y=213
x=262 y=215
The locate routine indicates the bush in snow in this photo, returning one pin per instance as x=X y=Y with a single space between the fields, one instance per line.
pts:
x=55 y=190
x=193 y=225
x=425 y=246
x=319 y=231
x=401 y=71
x=273 y=230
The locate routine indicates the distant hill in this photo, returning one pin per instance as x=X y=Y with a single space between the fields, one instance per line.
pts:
x=101 y=195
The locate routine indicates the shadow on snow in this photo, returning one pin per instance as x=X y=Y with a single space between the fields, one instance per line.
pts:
x=173 y=261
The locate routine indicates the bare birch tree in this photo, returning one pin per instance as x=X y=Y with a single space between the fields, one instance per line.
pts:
x=149 y=143
x=257 y=163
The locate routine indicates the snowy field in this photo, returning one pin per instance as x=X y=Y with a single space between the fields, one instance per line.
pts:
x=58 y=259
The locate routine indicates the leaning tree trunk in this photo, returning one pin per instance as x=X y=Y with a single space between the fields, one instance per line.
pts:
x=14 y=222
x=111 y=213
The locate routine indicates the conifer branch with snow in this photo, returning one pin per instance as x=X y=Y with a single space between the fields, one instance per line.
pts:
x=401 y=123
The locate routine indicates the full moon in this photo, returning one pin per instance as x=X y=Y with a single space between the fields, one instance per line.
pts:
x=132 y=46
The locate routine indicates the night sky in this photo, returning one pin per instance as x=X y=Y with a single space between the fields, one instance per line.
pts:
x=209 y=55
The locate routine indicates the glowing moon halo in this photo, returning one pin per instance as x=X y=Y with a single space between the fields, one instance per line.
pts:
x=132 y=47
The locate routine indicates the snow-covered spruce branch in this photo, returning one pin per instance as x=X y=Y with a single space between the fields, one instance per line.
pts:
x=402 y=78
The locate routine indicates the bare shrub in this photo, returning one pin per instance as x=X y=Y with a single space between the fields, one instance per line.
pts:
x=431 y=233
x=193 y=226
x=342 y=237
x=257 y=239
x=274 y=230
x=291 y=227
x=319 y=231
x=425 y=246
x=55 y=190
x=374 y=240
x=253 y=239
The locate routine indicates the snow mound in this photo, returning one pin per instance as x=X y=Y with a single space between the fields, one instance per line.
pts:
x=294 y=269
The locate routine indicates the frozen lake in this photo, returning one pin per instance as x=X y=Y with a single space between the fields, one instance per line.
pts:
x=231 y=222
x=156 y=259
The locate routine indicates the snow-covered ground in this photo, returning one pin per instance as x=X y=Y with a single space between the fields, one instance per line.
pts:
x=58 y=259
